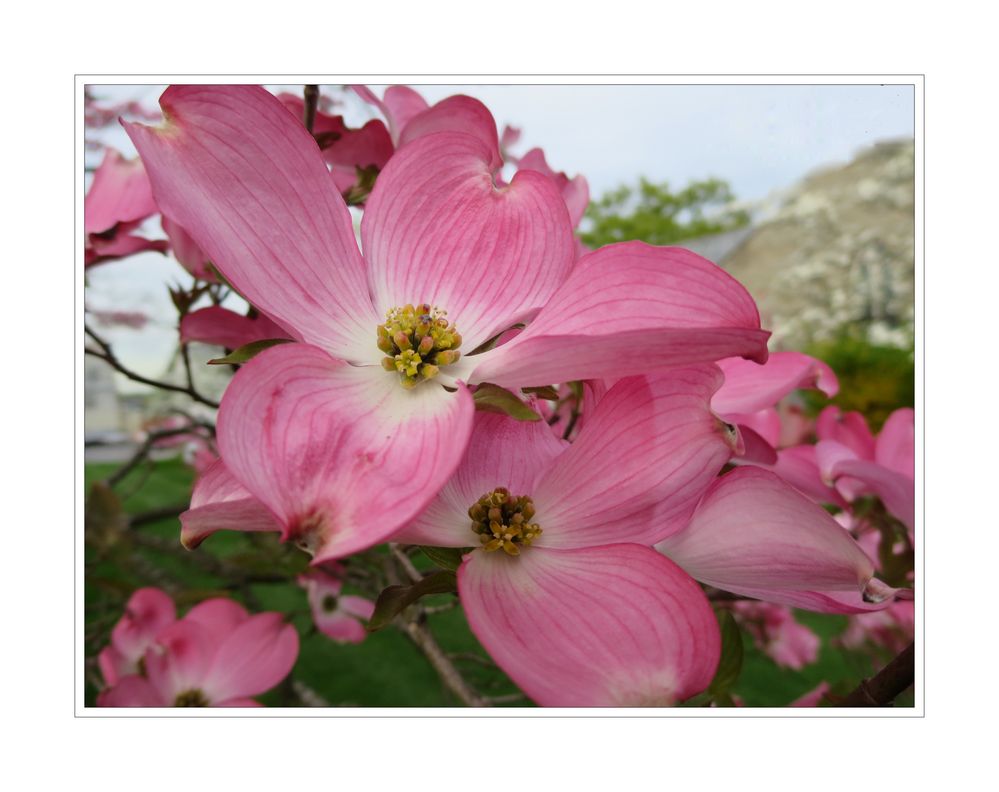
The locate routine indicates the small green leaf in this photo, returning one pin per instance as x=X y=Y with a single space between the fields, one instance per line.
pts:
x=247 y=351
x=493 y=398
x=543 y=392
x=488 y=344
x=394 y=599
x=730 y=663
x=445 y=557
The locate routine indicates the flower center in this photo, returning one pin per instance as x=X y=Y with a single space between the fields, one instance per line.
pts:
x=191 y=698
x=417 y=341
x=329 y=603
x=503 y=521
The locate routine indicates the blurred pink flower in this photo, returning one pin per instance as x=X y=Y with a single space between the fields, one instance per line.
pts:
x=775 y=631
x=216 y=656
x=340 y=617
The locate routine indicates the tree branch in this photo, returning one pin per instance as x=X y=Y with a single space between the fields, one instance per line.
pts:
x=883 y=688
x=108 y=356
x=311 y=102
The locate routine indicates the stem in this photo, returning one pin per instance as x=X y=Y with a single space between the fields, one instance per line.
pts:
x=882 y=689
x=311 y=102
x=452 y=679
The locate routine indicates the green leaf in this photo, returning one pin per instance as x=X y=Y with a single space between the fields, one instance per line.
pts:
x=543 y=392
x=488 y=344
x=493 y=398
x=730 y=663
x=394 y=599
x=247 y=351
x=445 y=557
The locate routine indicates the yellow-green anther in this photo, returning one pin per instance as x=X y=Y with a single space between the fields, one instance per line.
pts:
x=418 y=341
x=502 y=521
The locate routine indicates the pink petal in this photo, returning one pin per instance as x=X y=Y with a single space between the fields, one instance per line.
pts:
x=257 y=655
x=343 y=455
x=799 y=467
x=359 y=607
x=750 y=387
x=180 y=658
x=339 y=626
x=592 y=627
x=575 y=192
x=225 y=328
x=849 y=429
x=400 y=105
x=119 y=246
x=436 y=230
x=647 y=454
x=847 y=602
x=626 y=309
x=756 y=449
x=114 y=665
x=248 y=183
x=813 y=698
x=220 y=615
x=896 y=491
x=221 y=503
x=186 y=251
x=148 y=611
x=456 y=114
x=895 y=447
x=119 y=193
x=502 y=452
x=131 y=691
x=754 y=531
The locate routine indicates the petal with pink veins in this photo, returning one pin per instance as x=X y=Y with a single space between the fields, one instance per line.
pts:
x=248 y=183
x=849 y=429
x=179 y=660
x=401 y=103
x=221 y=503
x=186 y=251
x=343 y=455
x=456 y=114
x=647 y=454
x=626 y=309
x=147 y=612
x=592 y=627
x=754 y=531
x=436 y=230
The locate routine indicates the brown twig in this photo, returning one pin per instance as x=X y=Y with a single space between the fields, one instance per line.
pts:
x=885 y=686
x=107 y=355
x=142 y=452
x=311 y=102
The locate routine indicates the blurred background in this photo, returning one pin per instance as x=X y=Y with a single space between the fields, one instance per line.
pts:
x=805 y=193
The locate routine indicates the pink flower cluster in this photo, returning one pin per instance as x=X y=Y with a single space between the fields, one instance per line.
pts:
x=584 y=556
x=217 y=655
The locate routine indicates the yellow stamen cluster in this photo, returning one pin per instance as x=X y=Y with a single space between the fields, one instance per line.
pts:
x=417 y=341
x=503 y=521
x=191 y=698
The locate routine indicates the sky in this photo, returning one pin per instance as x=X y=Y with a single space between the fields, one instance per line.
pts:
x=761 y=139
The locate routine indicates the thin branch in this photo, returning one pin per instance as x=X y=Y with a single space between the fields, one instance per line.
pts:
x=883 y=688
x=142 y=452
x=452 y=679
x=311 y=102
x=155 y=515
x=108 y=356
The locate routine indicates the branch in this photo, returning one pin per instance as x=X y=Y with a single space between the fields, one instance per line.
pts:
x=452 y=679
x=882 y=689
x=311 y=102
x=108 y=357
x=142 y=452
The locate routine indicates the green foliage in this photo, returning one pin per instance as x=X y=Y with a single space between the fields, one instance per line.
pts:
x=493 y=398
x=395 y=599
x=653 y=213
x=874 y=380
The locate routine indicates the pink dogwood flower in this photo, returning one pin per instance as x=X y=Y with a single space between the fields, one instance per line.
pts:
x=564 y=591
x=186 y=251
x=347 y=434
x=216 y=656
x=118 y=200
x=338 y=616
